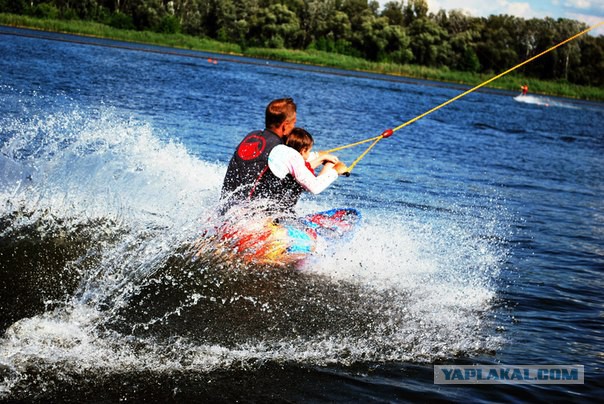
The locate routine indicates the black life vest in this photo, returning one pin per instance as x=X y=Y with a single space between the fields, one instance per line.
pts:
x=248 y=176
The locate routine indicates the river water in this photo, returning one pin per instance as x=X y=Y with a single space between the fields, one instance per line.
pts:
x=481 y=240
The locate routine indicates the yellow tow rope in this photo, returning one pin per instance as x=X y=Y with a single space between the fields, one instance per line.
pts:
x=389 y=132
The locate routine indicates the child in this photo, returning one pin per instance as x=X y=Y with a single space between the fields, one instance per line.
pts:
x=293 y=164
x=302 y=141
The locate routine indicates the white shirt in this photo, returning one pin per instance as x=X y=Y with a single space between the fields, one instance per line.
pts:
x=284 y=160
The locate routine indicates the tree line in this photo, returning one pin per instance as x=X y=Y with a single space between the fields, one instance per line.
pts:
x=400 y=32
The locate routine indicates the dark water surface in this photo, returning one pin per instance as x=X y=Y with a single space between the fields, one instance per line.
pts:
x=482 y=239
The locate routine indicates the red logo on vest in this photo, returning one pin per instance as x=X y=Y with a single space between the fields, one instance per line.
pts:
x=251 y=147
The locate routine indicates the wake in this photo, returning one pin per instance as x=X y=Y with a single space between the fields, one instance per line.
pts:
x=544 y=101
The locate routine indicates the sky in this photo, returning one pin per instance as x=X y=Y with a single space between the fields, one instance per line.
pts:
x=590 y=12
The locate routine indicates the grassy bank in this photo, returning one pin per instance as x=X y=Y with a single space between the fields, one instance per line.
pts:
x=509 y=82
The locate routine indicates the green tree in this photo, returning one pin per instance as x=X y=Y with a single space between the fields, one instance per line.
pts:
x=415 y=9
x=278 y=27
x=169 y=24
x=592 y=63
x=369 y=37
x=192 y=15
x=14 y=6
x=496 y=49
x=569 y=56
x=357 y=12
x=45 y=10
x=393 y=10
x=428 y=42
x=120 y=21
x=225 y=20
x=463 y=33
x=146 y=14
x=397 y=44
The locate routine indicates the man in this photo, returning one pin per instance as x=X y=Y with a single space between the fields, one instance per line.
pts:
x=249 y=176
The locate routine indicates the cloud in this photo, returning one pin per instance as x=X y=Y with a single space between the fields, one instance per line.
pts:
x=580 y=4
x=519 y=9
x=588 y=11
x=590 y=20
x=588 y=7
x=482 y=8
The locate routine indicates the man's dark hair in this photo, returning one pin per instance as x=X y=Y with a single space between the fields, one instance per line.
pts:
x=279 y=111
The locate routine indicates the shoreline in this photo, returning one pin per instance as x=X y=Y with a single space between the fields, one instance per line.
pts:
x=318 y=59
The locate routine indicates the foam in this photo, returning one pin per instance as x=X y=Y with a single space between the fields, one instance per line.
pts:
x=426 y=276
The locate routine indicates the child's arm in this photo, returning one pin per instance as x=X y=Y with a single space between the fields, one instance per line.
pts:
x=318 y=158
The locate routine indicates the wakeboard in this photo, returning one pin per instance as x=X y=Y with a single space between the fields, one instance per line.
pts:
x=290 y=241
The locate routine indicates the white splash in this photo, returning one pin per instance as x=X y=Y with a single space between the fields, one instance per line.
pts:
x=435 y=272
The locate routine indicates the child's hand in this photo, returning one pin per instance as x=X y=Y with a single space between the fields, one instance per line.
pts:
x=329 y=158
x=341 y=168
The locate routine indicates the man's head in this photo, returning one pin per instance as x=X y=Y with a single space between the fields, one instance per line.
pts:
x=281 y=116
